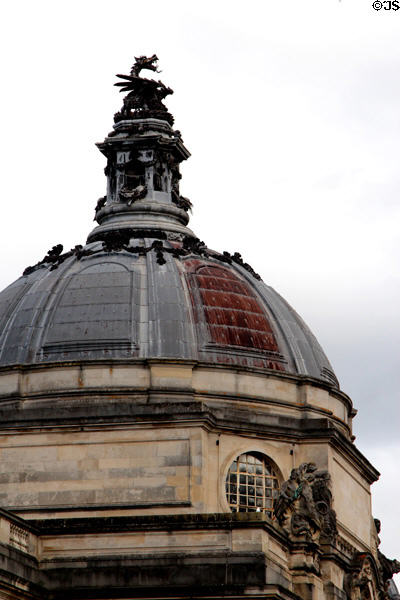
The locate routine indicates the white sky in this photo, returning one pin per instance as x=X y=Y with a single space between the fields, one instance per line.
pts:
x=291 y=112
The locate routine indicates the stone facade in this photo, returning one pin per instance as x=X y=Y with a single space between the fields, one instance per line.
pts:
x=128 y=462
x=169 y=426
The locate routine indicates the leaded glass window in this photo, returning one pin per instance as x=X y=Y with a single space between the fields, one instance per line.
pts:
x=252 y=484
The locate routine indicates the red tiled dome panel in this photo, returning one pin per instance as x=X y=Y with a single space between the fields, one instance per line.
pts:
x=232 y=312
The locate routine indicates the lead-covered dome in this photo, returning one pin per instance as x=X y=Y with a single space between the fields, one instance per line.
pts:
x=144 y=286
x=114 y=304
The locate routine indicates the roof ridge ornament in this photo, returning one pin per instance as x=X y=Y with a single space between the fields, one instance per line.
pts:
x=145 y=96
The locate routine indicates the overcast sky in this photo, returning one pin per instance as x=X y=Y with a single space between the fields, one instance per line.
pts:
x=291 y=113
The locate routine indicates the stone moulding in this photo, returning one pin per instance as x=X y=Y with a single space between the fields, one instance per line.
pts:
x=138 y=377
x=38 y=567
x=131 y=363
x=141 y=389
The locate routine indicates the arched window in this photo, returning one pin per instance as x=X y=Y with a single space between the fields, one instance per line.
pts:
x=252 y=484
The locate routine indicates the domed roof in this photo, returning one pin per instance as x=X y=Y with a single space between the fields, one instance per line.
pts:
x=144 y=286
x=114 y=304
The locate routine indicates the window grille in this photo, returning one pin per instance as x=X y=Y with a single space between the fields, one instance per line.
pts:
x=252 y=484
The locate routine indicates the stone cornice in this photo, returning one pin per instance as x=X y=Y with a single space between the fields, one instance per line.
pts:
x=222 y=418
x=300 y=380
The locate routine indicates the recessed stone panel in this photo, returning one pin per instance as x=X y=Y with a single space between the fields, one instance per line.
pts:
x=129 y=473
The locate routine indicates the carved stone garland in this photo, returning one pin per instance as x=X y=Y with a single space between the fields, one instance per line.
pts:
x=118 y=241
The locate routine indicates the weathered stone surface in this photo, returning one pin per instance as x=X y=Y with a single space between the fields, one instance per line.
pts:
x=134 y=371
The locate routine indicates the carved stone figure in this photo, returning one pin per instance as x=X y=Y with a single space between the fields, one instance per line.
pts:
x=100 y=203
x=363 y=582
x=144 y=62
x=322 y=497
x=181 y=201
x=286 y=496
x=305 y=519
x=388 y=567
x=131 y=196
x=145 y=96
x=306 y=499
